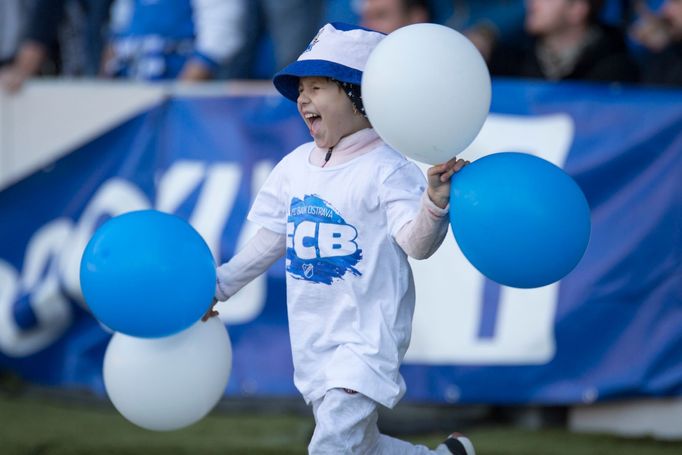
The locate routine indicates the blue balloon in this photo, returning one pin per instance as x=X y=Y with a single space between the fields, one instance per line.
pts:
x=519 y=219
x=147 y=274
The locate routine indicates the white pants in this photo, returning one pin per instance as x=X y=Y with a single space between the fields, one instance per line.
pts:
x=346 y=423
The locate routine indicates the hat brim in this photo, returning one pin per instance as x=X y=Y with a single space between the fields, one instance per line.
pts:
x=286 y=81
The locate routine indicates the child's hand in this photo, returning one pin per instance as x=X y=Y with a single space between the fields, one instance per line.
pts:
x=211 y=312
x=439 y=181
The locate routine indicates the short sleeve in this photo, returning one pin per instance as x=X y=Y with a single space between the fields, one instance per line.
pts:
x=269 y=208
x=400 y=195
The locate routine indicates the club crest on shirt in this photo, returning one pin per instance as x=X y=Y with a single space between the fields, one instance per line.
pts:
x=321 y=246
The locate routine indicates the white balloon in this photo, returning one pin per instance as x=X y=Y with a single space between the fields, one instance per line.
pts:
x=426 y=90
x=168 y=383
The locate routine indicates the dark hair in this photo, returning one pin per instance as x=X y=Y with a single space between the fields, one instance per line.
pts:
x=353 y=92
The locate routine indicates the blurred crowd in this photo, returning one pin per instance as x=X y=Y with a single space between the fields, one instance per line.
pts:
x=631 y=41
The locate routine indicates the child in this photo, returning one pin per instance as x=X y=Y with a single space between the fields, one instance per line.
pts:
x=346 y=210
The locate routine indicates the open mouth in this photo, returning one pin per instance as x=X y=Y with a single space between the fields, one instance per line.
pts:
x=313 y=121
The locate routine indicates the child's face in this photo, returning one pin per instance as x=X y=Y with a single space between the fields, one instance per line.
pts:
x=327 y=111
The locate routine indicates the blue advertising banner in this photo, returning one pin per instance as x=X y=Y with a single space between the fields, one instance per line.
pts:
x=610 y=329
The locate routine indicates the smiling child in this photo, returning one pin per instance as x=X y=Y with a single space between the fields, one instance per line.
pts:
x=346 y=210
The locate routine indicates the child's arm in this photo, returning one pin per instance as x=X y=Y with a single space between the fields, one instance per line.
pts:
x=421 y=237
x=256 y=257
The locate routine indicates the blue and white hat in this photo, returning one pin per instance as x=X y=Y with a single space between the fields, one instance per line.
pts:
x=339 y=51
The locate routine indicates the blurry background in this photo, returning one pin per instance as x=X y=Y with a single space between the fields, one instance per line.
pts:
x=109 y=106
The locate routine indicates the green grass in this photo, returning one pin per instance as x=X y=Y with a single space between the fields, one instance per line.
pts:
x=31 y=426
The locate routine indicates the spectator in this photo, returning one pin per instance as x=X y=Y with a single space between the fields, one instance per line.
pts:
x=567 y=43
x=63 y=37
x=169 y=39
x=12 y=24
x=486 y=22
x=387 y=16
x=661 y=34
x=275 y=33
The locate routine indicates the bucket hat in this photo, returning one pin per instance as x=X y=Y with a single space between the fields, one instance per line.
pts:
x=339 y=51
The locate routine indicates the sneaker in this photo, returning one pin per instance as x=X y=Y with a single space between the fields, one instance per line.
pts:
x=459 y=444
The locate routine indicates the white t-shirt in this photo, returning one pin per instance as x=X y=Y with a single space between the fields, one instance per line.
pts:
x=350 y=292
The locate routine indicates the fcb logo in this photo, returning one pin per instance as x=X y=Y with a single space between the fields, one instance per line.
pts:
x=321 y=246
